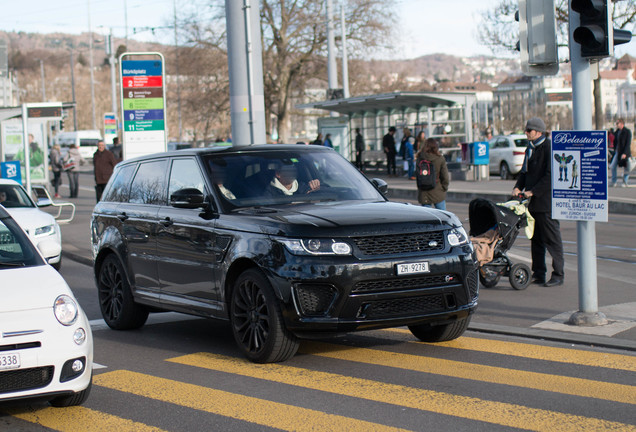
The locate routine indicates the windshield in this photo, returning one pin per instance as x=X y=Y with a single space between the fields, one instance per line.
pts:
x=285 y=177
x=15 y=248
x=13 y=196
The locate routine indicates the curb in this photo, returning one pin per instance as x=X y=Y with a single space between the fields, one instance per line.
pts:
x=556 y=336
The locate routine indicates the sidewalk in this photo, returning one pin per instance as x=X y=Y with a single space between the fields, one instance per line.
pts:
x=536 y=312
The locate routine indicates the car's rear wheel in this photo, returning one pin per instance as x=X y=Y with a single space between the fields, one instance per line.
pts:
x=440 y=333
x=257 y=321
x=115 y=297
x=504 y=171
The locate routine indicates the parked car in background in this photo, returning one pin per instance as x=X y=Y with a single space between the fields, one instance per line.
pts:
x=85 y=140
x=38 y=225
x=47 y=346
x=283 y=241
x=506 y=155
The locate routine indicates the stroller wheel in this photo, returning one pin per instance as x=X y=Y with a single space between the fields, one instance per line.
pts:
x=519 y=276
x=488 y=277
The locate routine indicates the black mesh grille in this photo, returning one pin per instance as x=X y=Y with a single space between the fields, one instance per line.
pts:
x=404 y=307
x=473 y=284
x=402 y=243
x=25 y=379
x=20 y=346
x=315 y=300
x=405 y=284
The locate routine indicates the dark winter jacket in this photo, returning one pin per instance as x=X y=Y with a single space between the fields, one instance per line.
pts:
x=438 y=193
x=537 y=178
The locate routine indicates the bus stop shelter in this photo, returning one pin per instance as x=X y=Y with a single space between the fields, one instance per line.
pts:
x=447 y=116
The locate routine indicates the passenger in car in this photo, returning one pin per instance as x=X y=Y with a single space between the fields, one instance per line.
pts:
x=285 y=182
x=3 y=196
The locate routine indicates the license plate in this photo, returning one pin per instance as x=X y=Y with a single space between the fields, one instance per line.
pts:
x=9 y=361
x=412 y=268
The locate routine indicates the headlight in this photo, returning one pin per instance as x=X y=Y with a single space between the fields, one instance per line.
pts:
x=457 y=236
x=45 y=230
x=316 y=247
x=65 y=310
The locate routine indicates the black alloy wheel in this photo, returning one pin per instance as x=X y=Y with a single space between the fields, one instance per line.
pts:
x=116 y=302
x=257 y=321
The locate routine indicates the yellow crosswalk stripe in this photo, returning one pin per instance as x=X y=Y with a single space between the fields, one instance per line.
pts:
x=475 y=372
x=79 y=419
x=247 y=408
x=506 y=414
x=537 y=352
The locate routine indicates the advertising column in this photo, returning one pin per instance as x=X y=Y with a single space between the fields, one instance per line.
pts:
x=143 y=104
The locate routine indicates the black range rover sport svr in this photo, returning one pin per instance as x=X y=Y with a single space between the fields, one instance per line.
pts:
x=284 y=241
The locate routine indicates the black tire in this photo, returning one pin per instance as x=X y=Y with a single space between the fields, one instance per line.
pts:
x=440 y=333
x=488 y=278
x=519 y=276
x=257 y=321
x=74 y=399
x=504 y=171
x=116 y=302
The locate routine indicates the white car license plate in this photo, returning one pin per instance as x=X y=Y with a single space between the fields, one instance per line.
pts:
x=9 y=361
x=412 y=268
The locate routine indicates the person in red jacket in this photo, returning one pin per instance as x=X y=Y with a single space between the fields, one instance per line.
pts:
x=104 y=162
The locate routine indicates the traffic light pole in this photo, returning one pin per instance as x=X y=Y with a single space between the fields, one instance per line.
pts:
x=588 y=314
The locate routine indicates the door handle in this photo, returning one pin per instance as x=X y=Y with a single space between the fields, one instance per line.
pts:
x=166 y=222
x=122 y=217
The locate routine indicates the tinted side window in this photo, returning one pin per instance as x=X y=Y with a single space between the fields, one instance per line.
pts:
x=120 y=186
x=149 y=185
x=185 y=173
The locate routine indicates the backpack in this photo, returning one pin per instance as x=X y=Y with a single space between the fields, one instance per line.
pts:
x=425 y=175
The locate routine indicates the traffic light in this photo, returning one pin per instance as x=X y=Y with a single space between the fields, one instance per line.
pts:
x=537 y=37
x=595 y=32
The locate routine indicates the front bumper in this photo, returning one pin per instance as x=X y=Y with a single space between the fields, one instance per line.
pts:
x=341 y=294
x=46 y=350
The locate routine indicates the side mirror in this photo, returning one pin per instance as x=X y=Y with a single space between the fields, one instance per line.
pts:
x=381 y=185
x=188 y=198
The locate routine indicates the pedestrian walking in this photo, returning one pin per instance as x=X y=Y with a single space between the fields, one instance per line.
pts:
x=55 y=162
x=72 y=162
x=435 y=197
x=534 y=181
x=622 y=153
x=409 y=157
x=388 y=144
x=117 y=150
x=103 y=162
x=359 y=149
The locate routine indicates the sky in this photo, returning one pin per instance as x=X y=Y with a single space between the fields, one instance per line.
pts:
x=425 y=26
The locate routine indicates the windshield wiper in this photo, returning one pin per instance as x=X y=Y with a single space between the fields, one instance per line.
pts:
x=12 y=264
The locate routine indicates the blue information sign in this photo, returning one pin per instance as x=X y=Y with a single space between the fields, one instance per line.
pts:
x=579 y=175
x=11 y=170
x=480 y=153
x=141 y=67
x=143 y=115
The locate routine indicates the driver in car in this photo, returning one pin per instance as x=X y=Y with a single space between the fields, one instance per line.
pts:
x=285 y=182
x=3 y=196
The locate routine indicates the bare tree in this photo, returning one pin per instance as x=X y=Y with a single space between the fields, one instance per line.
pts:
x=294 y=42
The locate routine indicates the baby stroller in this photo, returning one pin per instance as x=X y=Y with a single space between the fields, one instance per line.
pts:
x=493 y=230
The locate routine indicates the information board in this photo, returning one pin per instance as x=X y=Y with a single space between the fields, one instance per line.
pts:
x=579 y=175
x=143 y=104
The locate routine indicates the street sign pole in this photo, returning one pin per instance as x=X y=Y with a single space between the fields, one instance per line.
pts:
x=588 y=314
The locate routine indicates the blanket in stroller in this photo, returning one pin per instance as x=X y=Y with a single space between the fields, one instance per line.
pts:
x=485 y=246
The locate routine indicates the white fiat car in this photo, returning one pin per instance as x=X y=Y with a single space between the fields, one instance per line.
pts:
x=46 y=344
x=38 y=224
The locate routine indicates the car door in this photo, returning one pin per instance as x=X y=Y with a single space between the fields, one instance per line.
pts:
x=493 y=151
x=139 y=225
x=186 y=245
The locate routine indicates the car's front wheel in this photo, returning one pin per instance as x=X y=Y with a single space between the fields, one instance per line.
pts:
x=115 y=297
x=257 y=321
x=440 y=333
x=72 y=400
x=504 y=171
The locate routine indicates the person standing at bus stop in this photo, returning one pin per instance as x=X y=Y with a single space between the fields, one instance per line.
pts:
x=534 y=181
x=388 y=145
x=104 y=162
